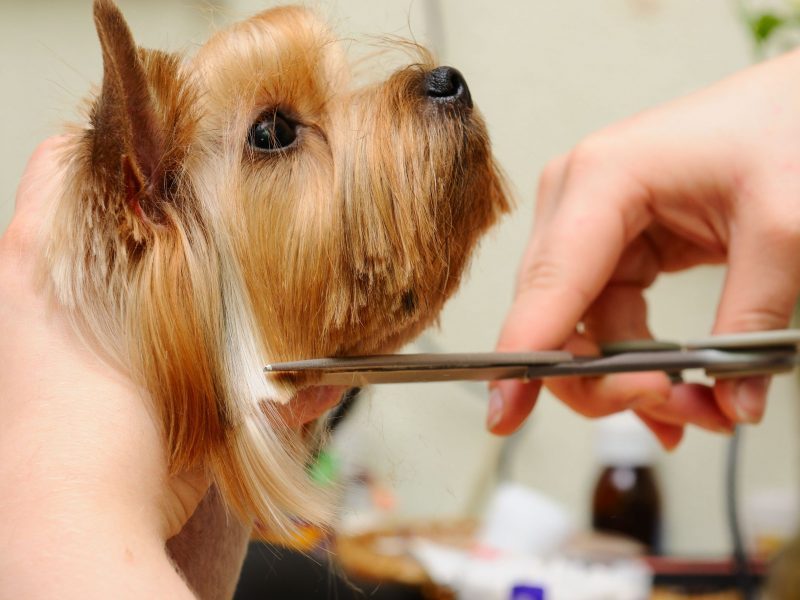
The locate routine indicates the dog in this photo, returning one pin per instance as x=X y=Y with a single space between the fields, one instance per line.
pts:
x=249 y=205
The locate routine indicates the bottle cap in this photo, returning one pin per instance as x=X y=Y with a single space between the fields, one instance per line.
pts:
x=623 y=440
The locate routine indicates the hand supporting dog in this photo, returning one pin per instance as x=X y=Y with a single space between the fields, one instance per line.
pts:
x=87 y=500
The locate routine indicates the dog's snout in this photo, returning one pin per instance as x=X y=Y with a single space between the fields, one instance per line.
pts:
x=446 y=84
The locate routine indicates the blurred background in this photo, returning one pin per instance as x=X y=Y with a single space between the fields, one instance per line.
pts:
x=544 y=74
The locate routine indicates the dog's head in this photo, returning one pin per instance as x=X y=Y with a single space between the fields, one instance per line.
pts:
x=250 y=205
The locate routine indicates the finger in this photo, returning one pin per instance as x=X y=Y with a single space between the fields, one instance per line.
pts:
x=309 y=404
x=760 y=292
x=510 y=402
x=618 y=314
x=640 y=263
x=676 y=252
x=39 y=186
x=601 y=396
x=563 y=273
x=690 y=403
x=668 y=435
x=743 y=400
x=551 y=183
x=571 y=262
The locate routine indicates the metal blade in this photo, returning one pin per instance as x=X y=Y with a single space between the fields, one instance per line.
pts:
x=407 y=368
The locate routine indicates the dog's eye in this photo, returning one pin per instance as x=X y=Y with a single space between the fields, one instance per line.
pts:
x=272 y=131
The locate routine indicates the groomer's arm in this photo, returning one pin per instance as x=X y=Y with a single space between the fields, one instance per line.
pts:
x=712 y=178
x=85 y=501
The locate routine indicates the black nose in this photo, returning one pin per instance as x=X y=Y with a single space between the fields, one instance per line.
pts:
x=446 y=84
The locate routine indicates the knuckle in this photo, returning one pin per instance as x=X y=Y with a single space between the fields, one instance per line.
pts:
x=587 y=156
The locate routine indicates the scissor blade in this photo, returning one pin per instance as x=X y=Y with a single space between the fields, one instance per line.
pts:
x=362 y=378
x=422 y=362
x=408 y=368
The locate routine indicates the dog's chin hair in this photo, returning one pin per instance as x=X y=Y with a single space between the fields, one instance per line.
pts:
x=260 y=441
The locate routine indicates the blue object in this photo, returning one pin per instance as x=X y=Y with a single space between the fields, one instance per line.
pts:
x=527 y=592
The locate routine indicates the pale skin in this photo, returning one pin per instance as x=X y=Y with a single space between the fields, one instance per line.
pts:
x=709 y=179
x=86 y=503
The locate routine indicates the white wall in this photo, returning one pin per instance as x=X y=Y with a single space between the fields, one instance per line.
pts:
x=545 y=74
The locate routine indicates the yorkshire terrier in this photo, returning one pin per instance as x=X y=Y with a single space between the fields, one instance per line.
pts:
x=249 y=205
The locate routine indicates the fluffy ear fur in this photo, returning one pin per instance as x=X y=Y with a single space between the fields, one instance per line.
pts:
x=125 y=119
x=151 y=281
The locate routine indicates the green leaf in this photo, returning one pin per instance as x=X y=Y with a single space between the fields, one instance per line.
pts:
x=765 y=25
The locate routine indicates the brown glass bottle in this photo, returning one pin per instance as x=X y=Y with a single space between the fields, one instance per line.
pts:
x=626 y=501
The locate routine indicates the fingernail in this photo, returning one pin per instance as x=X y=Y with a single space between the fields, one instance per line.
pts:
x=723 y=428
x=748 y=398
x=495 y=414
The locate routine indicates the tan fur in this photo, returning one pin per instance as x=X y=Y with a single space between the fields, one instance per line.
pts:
x=191 y=260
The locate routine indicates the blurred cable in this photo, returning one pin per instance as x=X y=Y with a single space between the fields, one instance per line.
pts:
x=740 y=559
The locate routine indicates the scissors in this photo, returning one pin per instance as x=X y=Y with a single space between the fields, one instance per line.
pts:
x=731 y=355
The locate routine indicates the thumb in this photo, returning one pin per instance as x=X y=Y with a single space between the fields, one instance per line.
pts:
x=538 y=320
x=510 y=402
x=759 y=294
x=570 y=258
x=560 y=277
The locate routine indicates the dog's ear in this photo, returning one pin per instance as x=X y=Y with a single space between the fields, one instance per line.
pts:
x=129 y=135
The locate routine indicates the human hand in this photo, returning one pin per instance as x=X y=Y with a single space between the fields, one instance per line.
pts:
x=712 y=178
x=86 y=501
